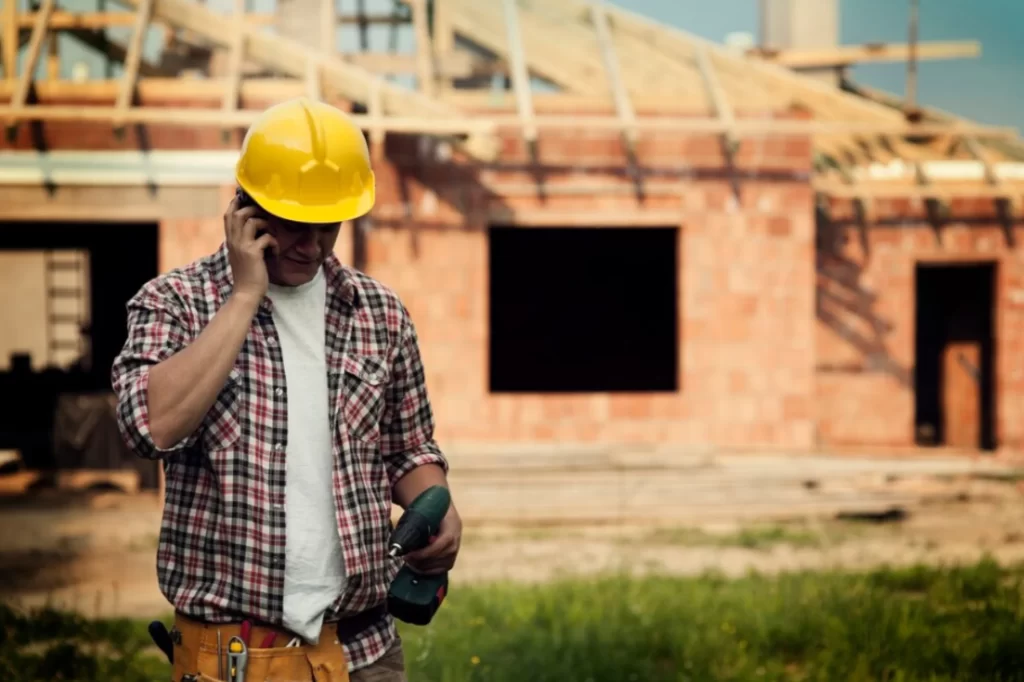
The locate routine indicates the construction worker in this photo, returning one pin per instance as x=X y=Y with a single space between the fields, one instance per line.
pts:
x=285 y=394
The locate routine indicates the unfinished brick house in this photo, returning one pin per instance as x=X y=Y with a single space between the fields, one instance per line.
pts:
x=606 y=229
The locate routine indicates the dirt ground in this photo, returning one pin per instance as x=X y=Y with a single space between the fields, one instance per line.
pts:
x=95 y=553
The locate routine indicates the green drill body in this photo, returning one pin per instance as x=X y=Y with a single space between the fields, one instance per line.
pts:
x=415 y=597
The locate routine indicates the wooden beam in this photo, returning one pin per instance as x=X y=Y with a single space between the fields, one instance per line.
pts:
x=240 y=118
x=210 y=91
x=328 y=26
x=156 y=90
x=974 y=147
x=108 y=204
x=451 y=65
x=520 y=75
x=550 y=52
x=466 y=124
x=377 y=130
x=850 y=55
x=290 y=57
x=1012 y=149
x=444 y=34
x=774 y=77
x=719 y=100
x=623 y=106
x=313 y=81
x=941 y=191
x=65 y=20
x=133 y=58
x=236 y=56
x=10 y=38
x=426 y=79
x=35 y=46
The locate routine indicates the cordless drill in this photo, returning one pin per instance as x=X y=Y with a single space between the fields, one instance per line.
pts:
x=415 y=597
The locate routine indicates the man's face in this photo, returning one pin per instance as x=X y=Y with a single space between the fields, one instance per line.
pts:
x=302 y=249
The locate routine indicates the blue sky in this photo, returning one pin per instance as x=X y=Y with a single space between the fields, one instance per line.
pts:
x=987 y=89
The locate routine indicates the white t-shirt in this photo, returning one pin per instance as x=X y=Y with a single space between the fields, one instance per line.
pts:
x=314 y=570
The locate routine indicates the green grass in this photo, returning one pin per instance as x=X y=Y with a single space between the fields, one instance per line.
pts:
x=918 y=624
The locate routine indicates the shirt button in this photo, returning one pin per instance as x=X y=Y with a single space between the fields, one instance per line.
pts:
x=278 y=448
x=272 y=341
x=279 y=392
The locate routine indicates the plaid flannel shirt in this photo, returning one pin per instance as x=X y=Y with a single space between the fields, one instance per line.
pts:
x=222 y=540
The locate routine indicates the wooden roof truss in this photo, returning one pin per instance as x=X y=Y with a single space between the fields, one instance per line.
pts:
x=590 y=53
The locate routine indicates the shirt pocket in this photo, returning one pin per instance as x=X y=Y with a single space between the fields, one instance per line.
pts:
x=222 y=427
x=364 y=381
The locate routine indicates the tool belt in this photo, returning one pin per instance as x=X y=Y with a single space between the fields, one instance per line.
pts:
x=196 y=650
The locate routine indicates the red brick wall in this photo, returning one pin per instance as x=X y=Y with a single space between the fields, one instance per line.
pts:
x=746 y=280
x=866 y=307
x=746 y=296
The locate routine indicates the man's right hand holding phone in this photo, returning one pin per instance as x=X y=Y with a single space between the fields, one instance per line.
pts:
x=246 y=249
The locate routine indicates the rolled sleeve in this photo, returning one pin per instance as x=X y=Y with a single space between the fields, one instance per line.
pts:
x=407 y=430
x=157 y=329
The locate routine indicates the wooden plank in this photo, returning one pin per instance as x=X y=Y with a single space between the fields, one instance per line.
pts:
x=110 y=204
x=520 y=75
x=944 y=191
x=157 y=89
x=488 y=124
x=975 y=149
x=425 y=76
x=35 y=45
x=849 y=55
x=241 y=118
x=236 y=56
x=377 y=130
x=623 y=106
x=1012 y=149
x=328 y=26
x=451 y=65
x=290 y=57
x=133 y=58
x=10 y=38
x=773 y=76
x=549 y=52
x=719 y=100
x=161 y=89
x=444 y=34
x=313 y=80
x=64 y=20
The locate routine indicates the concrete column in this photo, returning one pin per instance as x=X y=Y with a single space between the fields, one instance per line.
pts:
x=801 y=24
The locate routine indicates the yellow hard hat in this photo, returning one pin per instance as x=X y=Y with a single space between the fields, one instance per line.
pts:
x=306 y=161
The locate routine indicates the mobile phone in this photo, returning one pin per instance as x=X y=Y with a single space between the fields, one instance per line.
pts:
x=244 y=200
x=243 y=197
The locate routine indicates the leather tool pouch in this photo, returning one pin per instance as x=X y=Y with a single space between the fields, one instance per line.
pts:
x=195 y=655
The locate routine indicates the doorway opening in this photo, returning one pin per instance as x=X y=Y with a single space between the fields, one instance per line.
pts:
x=66 y=288
x=584 y=310
x=954 y=378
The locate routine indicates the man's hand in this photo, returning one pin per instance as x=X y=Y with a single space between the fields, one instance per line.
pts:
x=246 y=249
x=440 y=555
